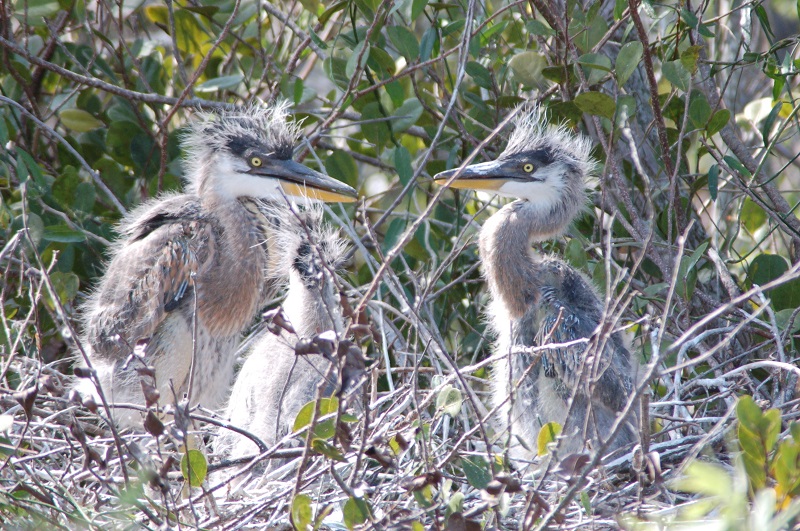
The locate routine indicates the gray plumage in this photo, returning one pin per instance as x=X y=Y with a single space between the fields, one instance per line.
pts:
x=275 y=381
x=539 y=300
x=191 y=270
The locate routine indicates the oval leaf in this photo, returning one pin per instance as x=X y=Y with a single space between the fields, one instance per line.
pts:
x=194 y=467
x=596 y=103
x=79 y=120
x=548 y=434
x=677 y=74
x=355 y=512
x=324 y=429
x=527 y=68
x=627 y=60
x=449 y=400
x=220 y=83
x=405 y=42
x=301 y=512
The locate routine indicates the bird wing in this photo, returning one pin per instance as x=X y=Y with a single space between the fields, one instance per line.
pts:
x=150 y=275
x=561 y=325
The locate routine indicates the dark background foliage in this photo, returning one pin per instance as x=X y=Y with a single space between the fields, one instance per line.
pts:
x=693 y=113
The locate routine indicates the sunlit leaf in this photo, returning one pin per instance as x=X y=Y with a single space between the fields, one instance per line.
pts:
x=547 y=434
x=596 y=103
x=355 y=512
x=527 y=68
x=301 y=512
x=194 y=467
x=79 y=120
x=449 y=400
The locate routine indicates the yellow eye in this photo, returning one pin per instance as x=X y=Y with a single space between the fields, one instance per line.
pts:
x=528 y=168
x=255 y=162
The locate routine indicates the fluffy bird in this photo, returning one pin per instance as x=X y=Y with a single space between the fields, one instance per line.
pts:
x=539 y=299
x=285 y=367
x=191 y=270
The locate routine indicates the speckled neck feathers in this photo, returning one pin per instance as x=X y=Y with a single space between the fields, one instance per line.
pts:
x=513 y=274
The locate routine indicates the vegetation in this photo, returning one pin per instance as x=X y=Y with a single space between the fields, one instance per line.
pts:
x=693 y=235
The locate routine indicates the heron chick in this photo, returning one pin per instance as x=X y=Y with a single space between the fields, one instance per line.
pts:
x=284 y=368
x=539 y=300
x=191 y=270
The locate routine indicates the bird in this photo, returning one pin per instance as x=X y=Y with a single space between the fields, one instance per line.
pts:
x=287 y=363
x=191 y=270
x=538 y=299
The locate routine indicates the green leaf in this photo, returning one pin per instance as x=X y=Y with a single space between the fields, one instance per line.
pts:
x=748 y=413
x=342 y=166
x=301 y=512
x=575 y=254
x=768 y=267
x=428 y=43
x=376 y=128
x=548 y=434
x=449 y=400
x=194 y=467
x=689 y=58
x=85 y=195
x=396 y=228
x=189 y=34
x=325 y=429
x=771 y=428
x=79 y=120
x=66 y=285
x=219 y=83
x=477 y=471
x=587 y=505
x=37 y=11
x=406 y=115
x=718 y=121
x=405 y=41
x=558 y=74
x=699 y=109
x=328 y=450
x=677 y=74
x=705 y=478
x=713 y=181
x=479 y=74
x=527 y=68
x=536 y=27
x=596 y=103
x=738 y=166
x=402 y=164
x=354 y=63
x=753 y=216
x=455 y=504
x=417 y=7
x=627 y=60
x=355 y=512
x=63 y=234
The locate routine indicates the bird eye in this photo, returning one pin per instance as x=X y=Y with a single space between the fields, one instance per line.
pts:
x=528 y=168
x=255 y=162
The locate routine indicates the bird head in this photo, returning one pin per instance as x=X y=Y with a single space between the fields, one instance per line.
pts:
x=542 y=163
x=249 y=154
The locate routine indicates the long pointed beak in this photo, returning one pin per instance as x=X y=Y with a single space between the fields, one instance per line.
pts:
x=298 y=180
x=484 y=176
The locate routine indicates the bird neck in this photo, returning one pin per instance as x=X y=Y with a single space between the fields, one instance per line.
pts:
x=511 y=266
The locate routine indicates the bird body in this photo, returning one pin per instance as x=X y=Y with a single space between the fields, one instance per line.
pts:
x=192 y=270
x=276 y=380
x=539 y=300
